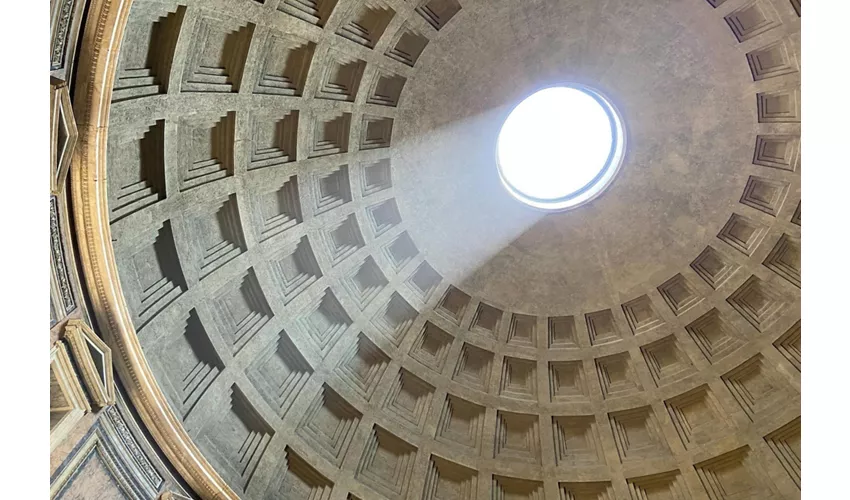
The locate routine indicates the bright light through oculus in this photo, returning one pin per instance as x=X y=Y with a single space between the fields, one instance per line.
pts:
x=560 y=147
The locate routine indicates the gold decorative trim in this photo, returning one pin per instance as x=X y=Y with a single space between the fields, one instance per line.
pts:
x=96 y=375
x=97 y=65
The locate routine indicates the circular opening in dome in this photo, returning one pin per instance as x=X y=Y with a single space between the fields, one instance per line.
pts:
x=560 y=147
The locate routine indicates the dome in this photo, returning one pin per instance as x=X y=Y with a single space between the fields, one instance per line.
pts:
x=326 y=283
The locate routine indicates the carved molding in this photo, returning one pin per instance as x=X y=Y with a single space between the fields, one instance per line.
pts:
x=59 y=32
x=61 y=287
x=105 y=26
x=122 y=432
x=65 y=18
x=94 y=359
x=63 y=134
x=88 y=449
x=68 y=401
x=110 y=443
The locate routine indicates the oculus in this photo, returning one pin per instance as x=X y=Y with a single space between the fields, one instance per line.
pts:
x=560 y=147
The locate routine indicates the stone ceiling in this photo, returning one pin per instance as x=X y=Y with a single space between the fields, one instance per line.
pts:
x=684 y=92
x=339 y=299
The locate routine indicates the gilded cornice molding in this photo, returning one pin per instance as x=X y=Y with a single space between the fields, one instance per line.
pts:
x=98 y=62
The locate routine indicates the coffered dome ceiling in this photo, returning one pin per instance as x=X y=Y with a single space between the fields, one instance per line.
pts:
x=339 y=299
x=684 y=92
